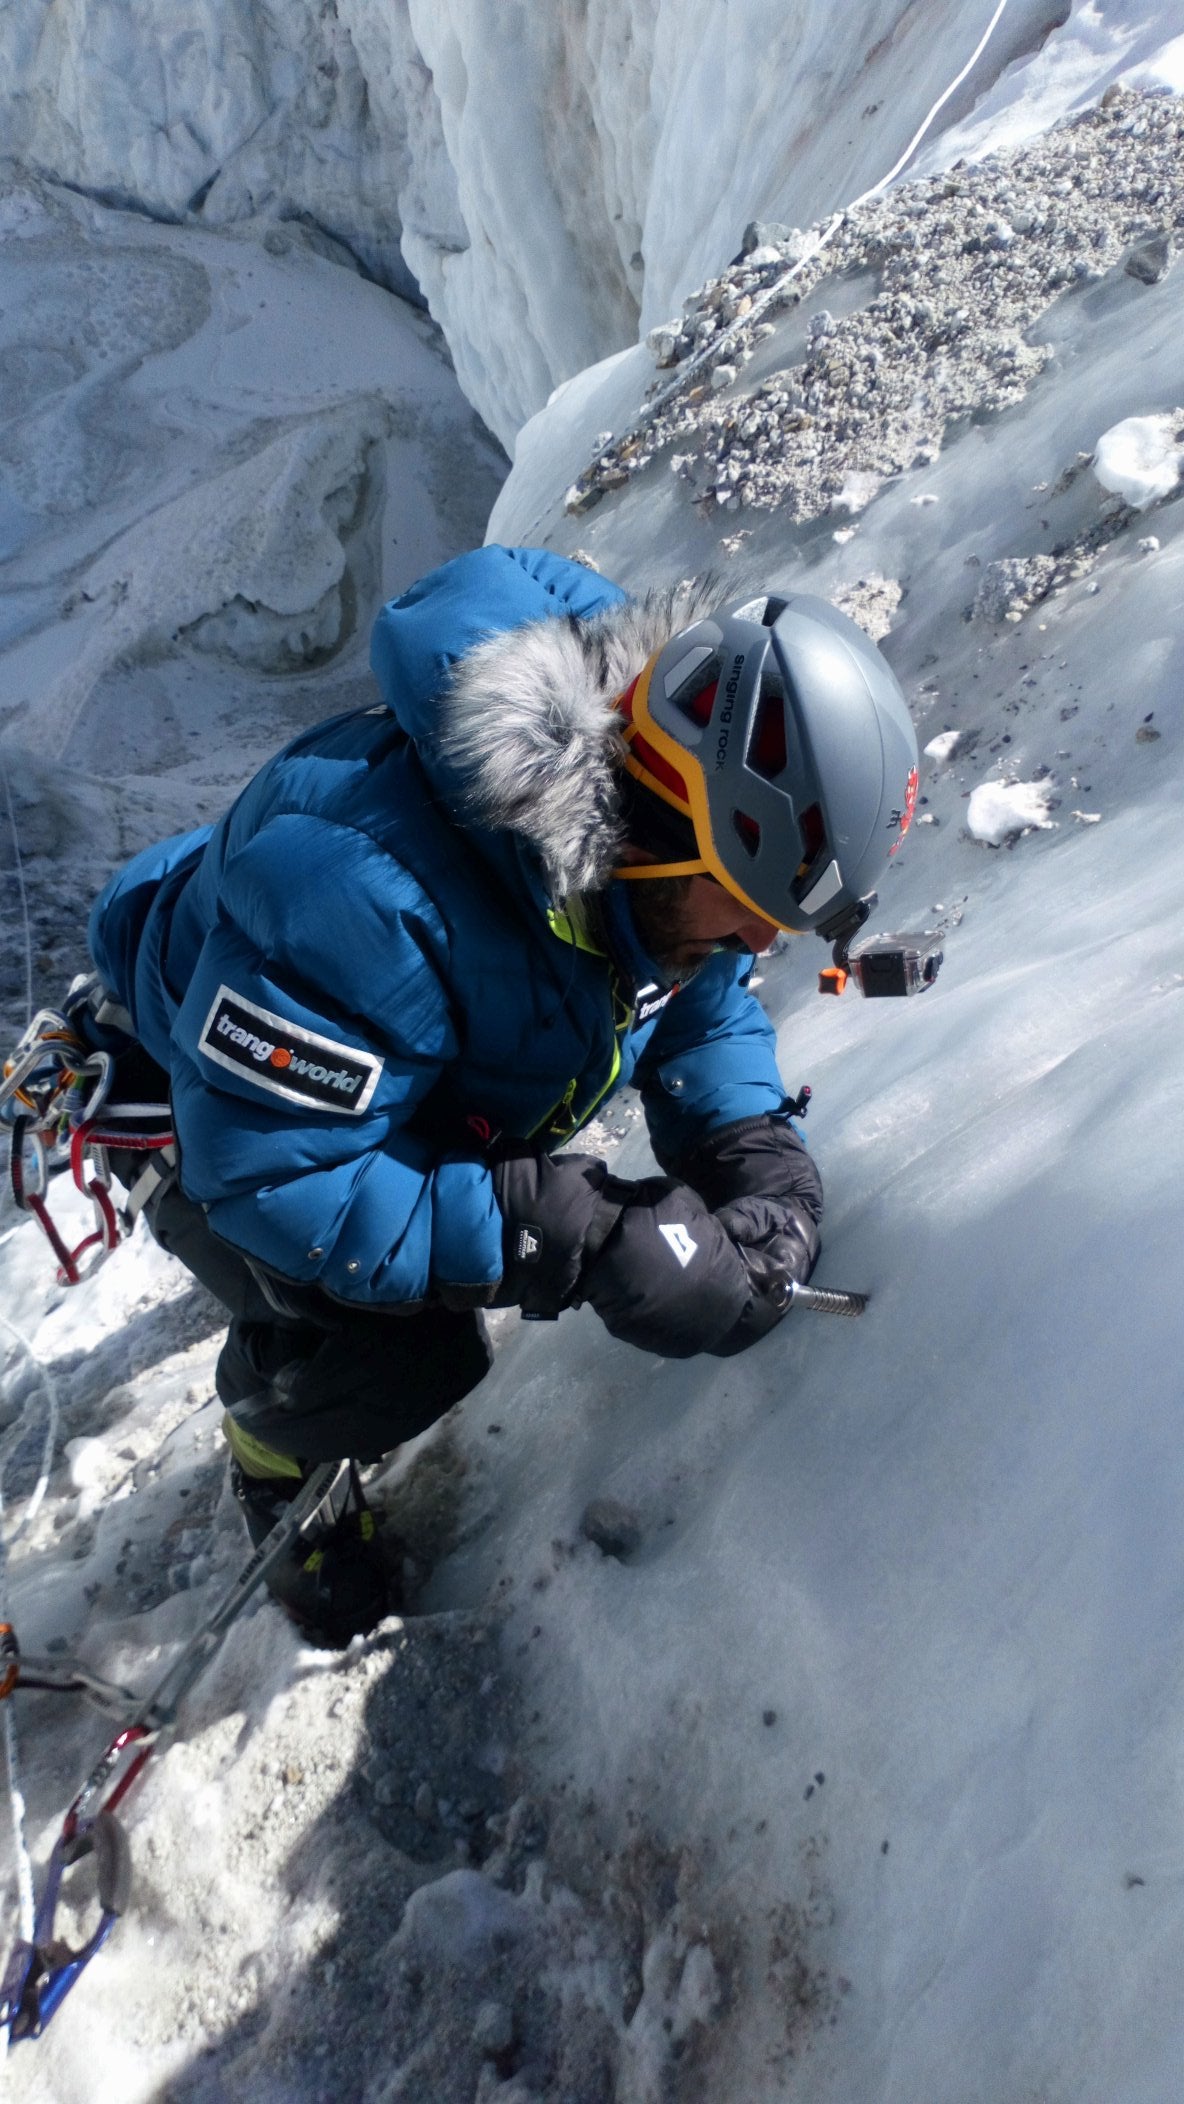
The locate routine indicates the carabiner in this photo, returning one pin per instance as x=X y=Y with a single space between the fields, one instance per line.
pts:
x=41 y=1973
x=97 y=1188
x=30 y=1161
x=29 y=1201
x=99 y=1069
x=42 y=1674
x=10 y=1656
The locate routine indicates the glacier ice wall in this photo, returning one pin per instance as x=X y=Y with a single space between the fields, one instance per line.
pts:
x=552 y=177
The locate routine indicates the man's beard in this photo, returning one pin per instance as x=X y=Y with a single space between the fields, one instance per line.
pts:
x=657 y=905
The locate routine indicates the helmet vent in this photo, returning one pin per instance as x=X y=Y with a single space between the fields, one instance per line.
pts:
x=690 y=685
x=813 y=834
x=748 y=833
x=765 y=610
x=767 y=754
x=699 y=706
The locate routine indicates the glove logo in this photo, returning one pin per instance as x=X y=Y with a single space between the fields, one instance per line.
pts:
x=679 y=1241
x=528 y=1247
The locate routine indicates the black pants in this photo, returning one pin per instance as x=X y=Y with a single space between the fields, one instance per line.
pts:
x=320 y=1381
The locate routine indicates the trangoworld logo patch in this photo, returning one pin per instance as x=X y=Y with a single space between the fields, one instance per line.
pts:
x=651 y=1000
x=299 y=1065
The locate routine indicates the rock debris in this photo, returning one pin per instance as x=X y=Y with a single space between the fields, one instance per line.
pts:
x=961 y=268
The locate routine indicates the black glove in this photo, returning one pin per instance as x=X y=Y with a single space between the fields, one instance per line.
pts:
x=659 y=1270
x=764 y=1190
x=698 y=1262
x=669 y=1277
x=557 y=1216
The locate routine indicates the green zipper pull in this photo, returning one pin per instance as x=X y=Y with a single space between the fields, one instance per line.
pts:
x=563 y=1119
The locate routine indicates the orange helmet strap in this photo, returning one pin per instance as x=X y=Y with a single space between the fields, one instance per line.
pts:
x=695 y=785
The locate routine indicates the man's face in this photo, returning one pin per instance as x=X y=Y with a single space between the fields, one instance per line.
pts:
x=680 y=921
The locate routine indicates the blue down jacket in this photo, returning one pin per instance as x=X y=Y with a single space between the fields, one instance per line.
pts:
x=366 y=965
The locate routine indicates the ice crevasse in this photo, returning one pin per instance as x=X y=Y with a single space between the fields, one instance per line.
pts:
x=549 y=177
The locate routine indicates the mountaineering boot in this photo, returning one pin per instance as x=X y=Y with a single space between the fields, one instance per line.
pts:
x=334 y=1581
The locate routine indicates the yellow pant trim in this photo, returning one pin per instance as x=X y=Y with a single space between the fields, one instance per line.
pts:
x=254 y=1457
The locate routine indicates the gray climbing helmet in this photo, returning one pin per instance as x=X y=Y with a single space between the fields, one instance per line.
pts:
x=779 y=730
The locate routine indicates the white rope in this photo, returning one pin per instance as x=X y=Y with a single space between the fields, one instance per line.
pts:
x=917 y=137
x=22 y=888
x=711 y=352
x=26 y=1904
x=53 y=1412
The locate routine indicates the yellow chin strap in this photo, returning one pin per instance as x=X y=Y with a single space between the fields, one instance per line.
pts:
x=692 y=806
x=636 y=872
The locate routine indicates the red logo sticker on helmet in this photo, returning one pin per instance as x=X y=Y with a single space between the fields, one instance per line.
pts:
x=904 y=818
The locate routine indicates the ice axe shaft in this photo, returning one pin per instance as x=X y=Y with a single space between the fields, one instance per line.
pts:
x=828 y=1300
x=158 y=1711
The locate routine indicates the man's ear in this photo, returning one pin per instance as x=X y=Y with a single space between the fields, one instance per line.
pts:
x=630 y=857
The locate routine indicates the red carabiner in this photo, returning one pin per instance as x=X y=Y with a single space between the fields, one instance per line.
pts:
x=98 y=1189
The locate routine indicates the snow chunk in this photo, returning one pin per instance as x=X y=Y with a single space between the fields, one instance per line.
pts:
x=1001 y=811
x=87 y=1459
x=662 y=343
x=859 y=486
x=458 y=1915
x=1139 y=459
x=944 y=746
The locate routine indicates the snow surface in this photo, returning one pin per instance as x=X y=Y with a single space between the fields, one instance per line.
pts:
x=804 y=1726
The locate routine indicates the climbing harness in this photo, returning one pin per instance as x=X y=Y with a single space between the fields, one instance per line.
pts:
x=56 y=1095
x=42 y=1969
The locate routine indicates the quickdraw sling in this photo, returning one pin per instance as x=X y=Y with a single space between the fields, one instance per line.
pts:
x=56 y=1095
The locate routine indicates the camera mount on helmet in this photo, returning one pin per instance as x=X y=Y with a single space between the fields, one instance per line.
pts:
x=884 y=964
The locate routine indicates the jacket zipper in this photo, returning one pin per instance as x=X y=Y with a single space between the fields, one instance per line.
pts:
x=565 y=1109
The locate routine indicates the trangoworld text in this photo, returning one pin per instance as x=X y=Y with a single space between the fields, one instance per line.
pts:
x=299 y=1065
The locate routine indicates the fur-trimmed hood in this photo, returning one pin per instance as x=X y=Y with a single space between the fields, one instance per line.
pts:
x=529 y=737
